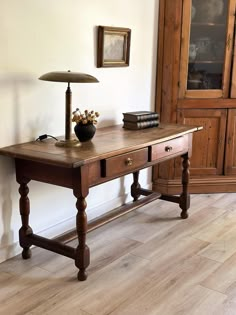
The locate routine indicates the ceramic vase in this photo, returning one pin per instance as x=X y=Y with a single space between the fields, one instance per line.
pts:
x=84 y=132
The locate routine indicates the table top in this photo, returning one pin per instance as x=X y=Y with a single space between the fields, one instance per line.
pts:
x=107 y=142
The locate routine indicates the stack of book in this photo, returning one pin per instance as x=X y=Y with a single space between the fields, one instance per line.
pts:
x=140 y=120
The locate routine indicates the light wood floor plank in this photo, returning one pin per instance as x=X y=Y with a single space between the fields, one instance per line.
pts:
x=149 y=262
x=195 y=300
x=220 y=250
x=166 y=288
x=103 y=291
x=173 y=236
x=226 y=308
x=224 y=278
x=221 y=228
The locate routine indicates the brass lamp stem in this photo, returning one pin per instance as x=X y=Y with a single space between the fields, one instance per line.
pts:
x=68 y=113
x=68 y=76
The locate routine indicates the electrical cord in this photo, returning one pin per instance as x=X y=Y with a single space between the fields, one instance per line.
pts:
x=45 y=136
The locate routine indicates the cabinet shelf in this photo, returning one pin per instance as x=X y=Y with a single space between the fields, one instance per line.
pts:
x=206 y=62
x=203 y=24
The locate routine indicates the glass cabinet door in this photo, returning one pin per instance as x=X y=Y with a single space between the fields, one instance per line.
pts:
x=206 y=52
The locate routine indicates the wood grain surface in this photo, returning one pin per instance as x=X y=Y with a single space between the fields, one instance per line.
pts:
x=107 y=142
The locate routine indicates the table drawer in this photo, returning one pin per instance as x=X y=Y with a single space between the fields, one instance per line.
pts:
x=124 y=163
x=168 y=148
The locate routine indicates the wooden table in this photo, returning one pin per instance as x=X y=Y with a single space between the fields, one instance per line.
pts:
x=113 y=152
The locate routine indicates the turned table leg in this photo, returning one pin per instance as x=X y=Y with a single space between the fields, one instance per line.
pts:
x=135 y=186
x=185 y=197
x=82 y=255
x=24 y=212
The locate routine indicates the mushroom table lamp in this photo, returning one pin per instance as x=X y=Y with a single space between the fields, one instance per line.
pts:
x=68 y=77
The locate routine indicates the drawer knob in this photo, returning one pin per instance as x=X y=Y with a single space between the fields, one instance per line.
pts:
x=129 y=162
x=168 y=148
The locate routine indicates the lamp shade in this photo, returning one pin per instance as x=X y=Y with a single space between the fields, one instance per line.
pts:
x=68 y=76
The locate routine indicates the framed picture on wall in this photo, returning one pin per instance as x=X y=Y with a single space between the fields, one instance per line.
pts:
x=113 y=46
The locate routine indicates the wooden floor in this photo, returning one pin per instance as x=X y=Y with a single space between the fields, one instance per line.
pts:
x=149 y=262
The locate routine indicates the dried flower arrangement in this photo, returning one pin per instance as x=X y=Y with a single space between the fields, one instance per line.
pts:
x=87 y=117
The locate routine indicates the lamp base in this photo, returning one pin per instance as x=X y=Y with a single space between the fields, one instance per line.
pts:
x=68 y=143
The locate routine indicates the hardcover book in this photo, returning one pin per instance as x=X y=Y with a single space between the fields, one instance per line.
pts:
x=141 y=124
x=140 y=116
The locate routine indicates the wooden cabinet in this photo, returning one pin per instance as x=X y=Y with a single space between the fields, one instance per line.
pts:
x=196 y=78
x=208 y=146
x=230 y=145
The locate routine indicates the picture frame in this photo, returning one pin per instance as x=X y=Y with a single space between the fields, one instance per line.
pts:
x=113 y=46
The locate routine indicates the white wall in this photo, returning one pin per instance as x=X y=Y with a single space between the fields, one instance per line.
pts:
x=57 y=35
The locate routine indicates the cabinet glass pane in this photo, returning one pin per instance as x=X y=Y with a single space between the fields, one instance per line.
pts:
x=207 y=44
